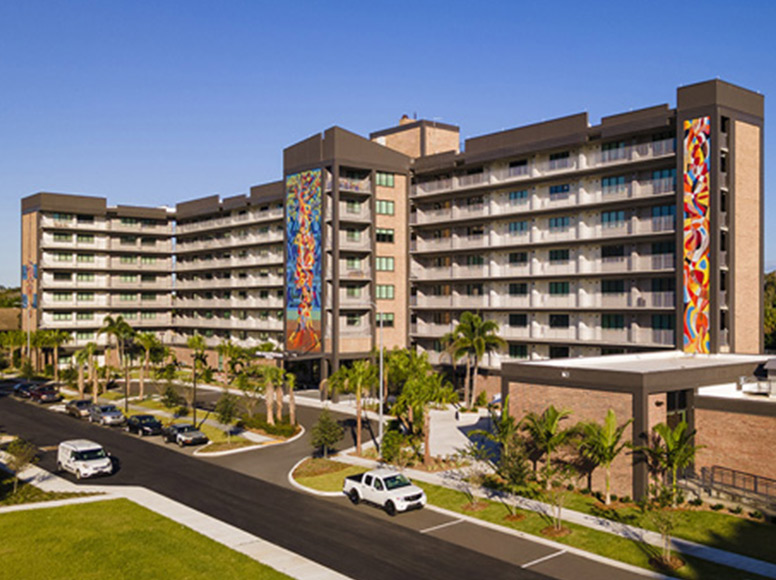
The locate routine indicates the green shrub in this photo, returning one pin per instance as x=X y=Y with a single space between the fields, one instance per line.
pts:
x=614 y=497
x=756 y=514
x=585 y=491
x=625 y=499
x=390 y=450
x=481 y=400
x=182 y=411
x=570 y=487
x=697 y=502
x=736 y=510
x=282 y=428
x=717 y=506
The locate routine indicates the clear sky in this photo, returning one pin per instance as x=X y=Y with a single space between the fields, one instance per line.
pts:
x=154 y=102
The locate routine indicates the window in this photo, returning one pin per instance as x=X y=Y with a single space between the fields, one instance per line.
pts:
x=662 y=322
x=85 y=296
x=148 y=241
x=384 y=264
x=62 y=316
x=518 y=320
x=148 y=278
x=353 y=320
x=559 y=352
x=385 y=207
x=352 y=235
x=613 y=219
x=518 y=289
x=85 y=238
x=353 y=263
x=385 y=235
x=664 y=174
x=127 y=297
x=613 y=151
x=353 y=292
x=475 y=260
x=63 y=257
x=58 y=237
x=386 y=318
x=85 y=258
x=85 y=219
x=560 y=223
x=663 y=248
x=148 y=260
x=84 y=335
x=613 y=321
x=130 y=315
x=559 y=255
x=613 y=286
x=560 y=160
x=518 y=257
x=613 y=252
x=559 y=320
x=518 y=197
x=559 y=191
x=129 y=278
x=63 y=296
x=63 y=276
x=147 y=315
x=127 y=221
x=385 y=291
x=385 y=179
x=613 y=184
x=128 y=240
x=128 y=259
x=663 y=284
x=663 y=211
x=559 y=288
x=352 y=207
x=517 y=228
x=148 y=296
x=62 y=217
x=84 y=316
x=518 y=351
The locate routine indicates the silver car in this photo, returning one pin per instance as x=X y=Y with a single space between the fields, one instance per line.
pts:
x=106 y=415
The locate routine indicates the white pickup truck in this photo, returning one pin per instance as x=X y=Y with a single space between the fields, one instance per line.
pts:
x=386 y=488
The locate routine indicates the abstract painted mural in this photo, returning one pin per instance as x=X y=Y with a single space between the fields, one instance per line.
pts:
x=697 y=144
x=303 y=262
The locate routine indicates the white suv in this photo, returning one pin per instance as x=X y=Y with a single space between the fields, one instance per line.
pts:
x=83 y=458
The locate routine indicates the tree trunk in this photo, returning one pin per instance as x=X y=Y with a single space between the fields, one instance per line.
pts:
x=358 y=421
x=426 y=436
x=279 y=403
x=143 y=371
x=269 y=394
x=291 y=406
x=608 y=497
x=81 y=385
x=475 y=375
x=56 y=364
x=93 y=377
x=466 y=382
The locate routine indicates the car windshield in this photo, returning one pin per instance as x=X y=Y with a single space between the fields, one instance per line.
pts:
x=396 y=481
x=146 y=419
x=108 y=409
x=187 y=428
x=90 y=454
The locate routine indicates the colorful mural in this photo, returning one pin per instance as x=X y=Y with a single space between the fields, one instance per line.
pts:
x=303 y=261
x=697 y=143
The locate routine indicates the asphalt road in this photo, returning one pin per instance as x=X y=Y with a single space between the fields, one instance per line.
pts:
x=351 y=541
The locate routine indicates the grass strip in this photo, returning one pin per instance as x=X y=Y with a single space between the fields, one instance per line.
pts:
x=115 y=539
x=324 y=474
x=27 y=493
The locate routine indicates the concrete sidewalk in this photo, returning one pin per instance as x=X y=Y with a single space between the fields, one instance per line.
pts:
x=455 y=479
x=234 y=538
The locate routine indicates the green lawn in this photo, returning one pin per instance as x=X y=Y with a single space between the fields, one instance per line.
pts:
x=27 y=493
x=328 y=475
x=114 y=539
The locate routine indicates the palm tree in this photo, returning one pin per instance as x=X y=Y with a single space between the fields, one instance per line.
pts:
x=38 y=341
x=546 y=434
x=360 y=376
x=198 y=362
x=81 y=358
x=674 y=450
x=234 y=356
x=148 y=341
x=13 y=340
x=91 y=351
x=57 y=338
x=601 y=444
x=121 y=330
x=456 y=351
x=475 y=337
x=272 y=378
x=291 y=385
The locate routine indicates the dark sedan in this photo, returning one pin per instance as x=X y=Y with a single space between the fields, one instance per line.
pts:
x=44 y=394
x=22 y=390
x=184 y=434
x=144 y=425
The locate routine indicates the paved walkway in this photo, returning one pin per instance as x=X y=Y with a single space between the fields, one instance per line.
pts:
x=455 y=479
x=252 y=546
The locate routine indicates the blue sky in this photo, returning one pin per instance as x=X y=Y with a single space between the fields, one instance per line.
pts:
x=154 y=102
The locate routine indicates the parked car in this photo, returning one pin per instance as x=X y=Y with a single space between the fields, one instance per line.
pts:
x=78 y=407
x=144 y=425
x=45 y=394
x=83 y=458
x=106 y=415
x=391 y=490
x=184 y=434
x=22 y=390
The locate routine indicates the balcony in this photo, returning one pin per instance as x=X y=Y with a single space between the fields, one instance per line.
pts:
x=223 y=283
x=229 y=323
x=653 y=336
x=638 y=152
x=431 y=329
x=272 y=214
x=359 y=243
x=269 y=258
x=159 y=264
x=48 y=222
x=349 y=212
x=50 y=261
x=355 y=185
x=49 y=302
x=139 y=228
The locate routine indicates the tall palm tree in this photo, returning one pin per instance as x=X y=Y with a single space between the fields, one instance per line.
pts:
x=674 y=450
x=148 y=341
x=121 y=330
x=38 y=341
x=91 y=352
x=291 y=385
x=475 y=337
x=198 y=363
x=81 y=358
x=601 y=444
x=360 y=377
x=456 y=351
x=13 y=340
x=272 y=380
x=57 y=338
x=546 y=434
x=233 y=356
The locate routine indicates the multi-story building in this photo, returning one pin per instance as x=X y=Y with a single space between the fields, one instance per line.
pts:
x=643 y=232
x=83 y=260
x=229 y=268
x=566 y=233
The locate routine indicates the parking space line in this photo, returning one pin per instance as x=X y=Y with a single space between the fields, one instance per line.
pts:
x=543 y=559
x=440 y=526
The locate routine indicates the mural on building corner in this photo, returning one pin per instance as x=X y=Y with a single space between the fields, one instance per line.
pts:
x=697 y=143
x=303 y=262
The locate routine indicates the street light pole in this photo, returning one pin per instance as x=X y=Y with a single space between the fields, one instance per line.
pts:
x=380 y=380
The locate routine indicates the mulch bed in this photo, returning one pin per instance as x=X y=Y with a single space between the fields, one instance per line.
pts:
x=553 y=532
x=476 y=506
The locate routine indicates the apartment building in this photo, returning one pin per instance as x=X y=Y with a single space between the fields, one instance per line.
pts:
x=643 y=232
x=83 y=260
x=229 y=268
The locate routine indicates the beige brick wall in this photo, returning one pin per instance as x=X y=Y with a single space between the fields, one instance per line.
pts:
x=736 y=441
x=585 y=405
x=396 y=336
x=439 y=140
x=407 y=142
x=747 y=297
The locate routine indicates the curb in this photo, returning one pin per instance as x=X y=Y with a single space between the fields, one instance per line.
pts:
x=306 y=489
x=202 y=453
